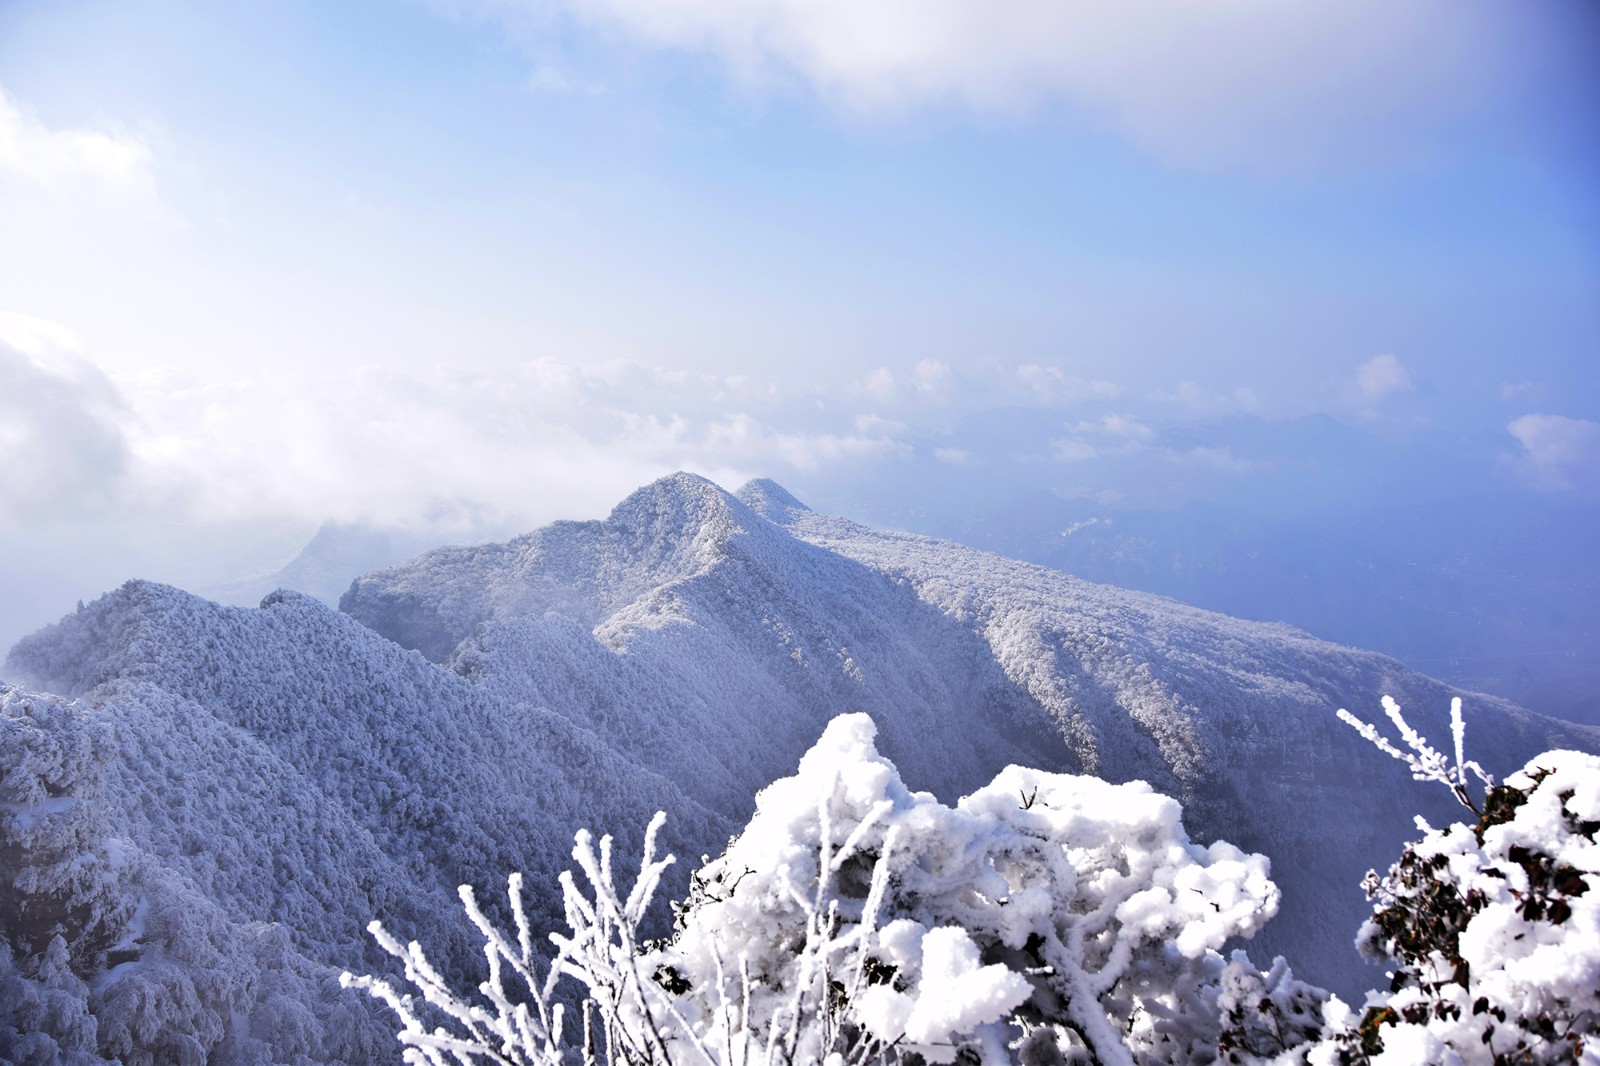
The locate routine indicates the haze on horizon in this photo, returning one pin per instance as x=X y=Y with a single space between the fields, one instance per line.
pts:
x=461 y=268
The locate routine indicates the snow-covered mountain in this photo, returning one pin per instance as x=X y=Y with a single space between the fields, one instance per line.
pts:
x=290 y=771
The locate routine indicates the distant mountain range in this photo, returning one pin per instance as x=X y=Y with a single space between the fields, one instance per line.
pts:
x=210 y=802
x=1428 y=549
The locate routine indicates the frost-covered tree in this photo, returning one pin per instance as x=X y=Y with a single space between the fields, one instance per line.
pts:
x=1046 y=917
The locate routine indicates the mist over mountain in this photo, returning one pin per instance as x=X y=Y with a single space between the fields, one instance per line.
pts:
x=289 y=771
x=328 y=562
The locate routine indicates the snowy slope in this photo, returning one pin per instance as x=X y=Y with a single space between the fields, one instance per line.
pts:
x=287 y=772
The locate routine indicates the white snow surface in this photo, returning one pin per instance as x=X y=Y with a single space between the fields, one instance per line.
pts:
x=288 y=772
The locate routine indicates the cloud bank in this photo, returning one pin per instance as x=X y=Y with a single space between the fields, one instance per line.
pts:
x=458 y=449
x=453 y=449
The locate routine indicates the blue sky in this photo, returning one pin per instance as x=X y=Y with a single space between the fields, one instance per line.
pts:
x=491 y=261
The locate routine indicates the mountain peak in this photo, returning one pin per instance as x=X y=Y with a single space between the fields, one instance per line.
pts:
x=770 y=500
x=677 y=492
x=668 y=531
x=680 y=515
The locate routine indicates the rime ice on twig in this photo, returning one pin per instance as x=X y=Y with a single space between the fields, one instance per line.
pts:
x=1426 y=762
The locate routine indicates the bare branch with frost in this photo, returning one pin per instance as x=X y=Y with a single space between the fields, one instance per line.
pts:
x=1426 y=762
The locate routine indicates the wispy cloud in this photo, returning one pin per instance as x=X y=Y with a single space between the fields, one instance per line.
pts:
x=934 y=383
x=1189 y=395
x=881 y=386
x=1111 y=435
x=933 y=379
x=1119 y=436
x=1522 y=392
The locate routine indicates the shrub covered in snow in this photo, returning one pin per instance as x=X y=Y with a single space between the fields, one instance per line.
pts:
x=1046 y=903
x=1492 y=927
x=1047 y=916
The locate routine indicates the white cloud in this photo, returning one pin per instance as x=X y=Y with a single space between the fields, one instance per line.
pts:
x=740 y=442
x=878 y=426
x=953 y=456
x=1052 y=385
x=934 y=383
x=933 y=379
x=1222 y=460
x=1117 y=436
x=70 y=158
x=1238 y=80
x=1116 y=426
x=1072 y=450
x=880 y=385
x=1558 y=453
x=37 y=338
x=1112 y=435
x=1380 y=376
